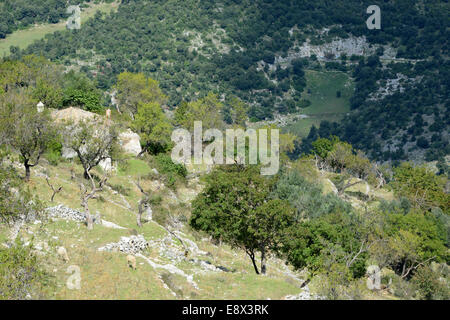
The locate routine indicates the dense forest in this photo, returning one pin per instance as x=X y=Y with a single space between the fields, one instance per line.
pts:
x=229 y=47
x=413 y=120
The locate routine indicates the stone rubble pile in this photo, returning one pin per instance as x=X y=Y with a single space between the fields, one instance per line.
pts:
x=130 y=245
x=304 y=295
x=66 y=213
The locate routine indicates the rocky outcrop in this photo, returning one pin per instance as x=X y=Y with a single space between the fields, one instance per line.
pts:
x=130 y=142
x=335 y=49
x=73 y=114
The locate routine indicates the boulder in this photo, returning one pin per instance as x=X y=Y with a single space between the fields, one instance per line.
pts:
x=106 y=165
x=130 y=142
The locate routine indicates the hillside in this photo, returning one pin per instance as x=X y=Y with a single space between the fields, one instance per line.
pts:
x=260 y=50
x=201 y=150
x=210 y=271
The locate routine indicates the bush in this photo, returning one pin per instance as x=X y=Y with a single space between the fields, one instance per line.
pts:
x=165 y=165
x=429 y=284
x=54 y=151
x=172 y=172
x=21 y=277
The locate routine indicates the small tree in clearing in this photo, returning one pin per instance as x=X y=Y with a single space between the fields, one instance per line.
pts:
x=235 y=207
x=153 y=128
x=88 y=194
x=93 y=142
x=25 y=129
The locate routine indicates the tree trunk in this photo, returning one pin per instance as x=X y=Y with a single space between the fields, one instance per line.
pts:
x=89 y=221
x=141 y=211
x=139 y=219
x=27 y=171
x=86 y=174
x=252 y=256
x=263 y=260
x=89 y=218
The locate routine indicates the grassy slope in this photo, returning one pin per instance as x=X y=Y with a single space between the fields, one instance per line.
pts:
x=23 y=38
x=106 y=275
x=323 y=86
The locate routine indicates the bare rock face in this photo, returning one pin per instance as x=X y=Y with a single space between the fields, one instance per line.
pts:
x=130 y=142
x=73 y=114
x=335 y=49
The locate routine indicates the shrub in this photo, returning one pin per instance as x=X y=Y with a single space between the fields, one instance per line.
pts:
x=172 y=172
x=54 y=151
x=21 y=276
x=428 y=284
x=166 y=166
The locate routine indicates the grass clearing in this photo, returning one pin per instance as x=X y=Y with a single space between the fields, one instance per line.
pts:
x=25 y=37
x=321 y=90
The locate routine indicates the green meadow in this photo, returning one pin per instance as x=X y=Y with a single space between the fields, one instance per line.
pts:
x=25 y=37
x=321 y=90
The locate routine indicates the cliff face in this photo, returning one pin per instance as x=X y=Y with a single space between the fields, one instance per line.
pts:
x=335 y=49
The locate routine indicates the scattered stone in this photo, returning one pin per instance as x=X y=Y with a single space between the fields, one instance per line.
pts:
x=62 y=212
x=131 y=245
x=66 y=213
x=304 y=295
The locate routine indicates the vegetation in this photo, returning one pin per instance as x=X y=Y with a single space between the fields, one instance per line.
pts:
x=236 y=208
x=21 y=275
x=331 y=213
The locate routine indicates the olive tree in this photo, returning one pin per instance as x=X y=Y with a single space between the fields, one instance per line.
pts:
x=93 y=141
x=26 y=130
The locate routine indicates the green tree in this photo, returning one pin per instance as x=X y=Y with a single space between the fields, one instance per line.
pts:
x=413 y=240
x=134 y=89
x=238 y=112
x=153 y=127
x=80 y=91
x=92 y=141
x=235 y=207
x=207 y=109
x=16 y=201
x=21 y=275
x=422 y=187
x=323 y=146
x=32 y=130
